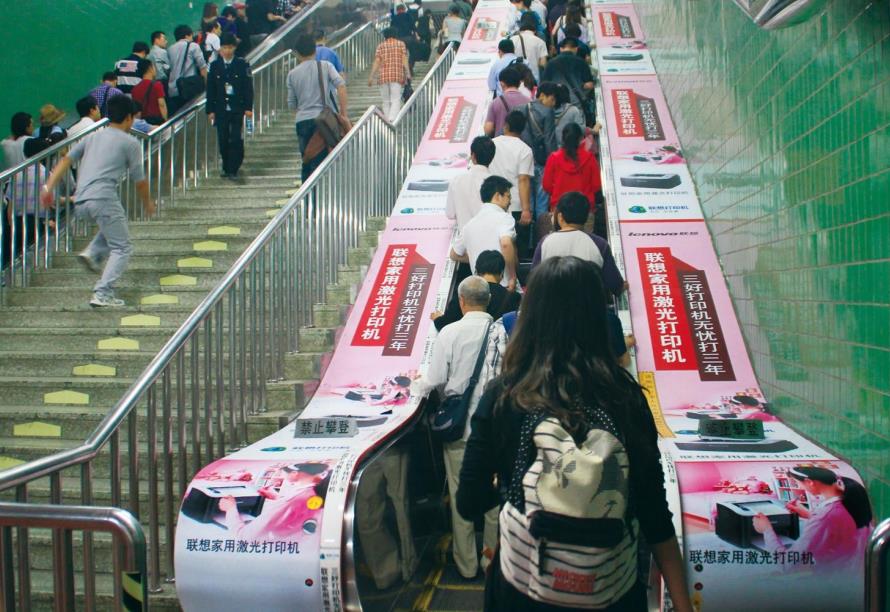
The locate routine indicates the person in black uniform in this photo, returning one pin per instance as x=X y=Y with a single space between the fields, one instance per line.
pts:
x=229 y=100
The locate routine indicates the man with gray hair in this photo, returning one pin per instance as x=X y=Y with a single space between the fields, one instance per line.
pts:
x=455 y=352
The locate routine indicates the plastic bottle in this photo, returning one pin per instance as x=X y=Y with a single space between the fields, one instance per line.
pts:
x=248 y=126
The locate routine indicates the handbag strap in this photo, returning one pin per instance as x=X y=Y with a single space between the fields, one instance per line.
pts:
x=533 y=121
x=321 y=87
x=477 y=369
x=148 y=93
x=185 y=56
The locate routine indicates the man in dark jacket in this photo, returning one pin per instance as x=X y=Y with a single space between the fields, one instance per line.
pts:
x=229 y=100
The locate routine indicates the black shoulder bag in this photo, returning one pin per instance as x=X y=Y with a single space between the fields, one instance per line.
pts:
x=189 y=86
x=449 y=420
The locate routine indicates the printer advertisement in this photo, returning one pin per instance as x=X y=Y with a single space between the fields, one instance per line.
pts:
x=620 y=44
x=454 y=123
x=425 y=191
x=638 y=119
x=791 y=527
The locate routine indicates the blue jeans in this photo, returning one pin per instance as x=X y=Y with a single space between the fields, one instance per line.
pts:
x=112 y=241
x=540 y=198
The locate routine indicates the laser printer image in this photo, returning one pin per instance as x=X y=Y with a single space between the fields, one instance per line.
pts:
x=428 y=185
x=642 y=180
x=202 y=501
x=474 y=61
x=734 y=523
x=623 y=57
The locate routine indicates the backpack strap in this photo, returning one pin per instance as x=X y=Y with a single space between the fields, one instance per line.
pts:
x=533 y=122
x=504 y=102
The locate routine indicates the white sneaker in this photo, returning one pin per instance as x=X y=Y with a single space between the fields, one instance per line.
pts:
x=88 y=262
x=105 y=301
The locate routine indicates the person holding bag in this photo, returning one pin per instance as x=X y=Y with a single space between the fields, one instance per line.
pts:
x=321 y=122
x=455 y=368
x=188 y=70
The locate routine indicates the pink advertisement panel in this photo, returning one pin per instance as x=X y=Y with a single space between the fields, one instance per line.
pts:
x=793 y=533
x=486 y=28
x=620 y=41
x=453 y=125
x=639 y=123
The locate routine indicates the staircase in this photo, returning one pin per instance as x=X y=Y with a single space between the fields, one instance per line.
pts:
x=63 y=364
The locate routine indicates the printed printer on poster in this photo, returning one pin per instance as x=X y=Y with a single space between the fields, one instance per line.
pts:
x=799 y=529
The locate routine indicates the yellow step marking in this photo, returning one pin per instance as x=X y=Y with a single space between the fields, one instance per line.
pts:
x=298 y=183
x=224 y=230
x=159 y=298
x=8 y=462
x=210 y=245
x=273 y=211
x=94 y=369
x=647 y=381
x=118 y=344
x=66 y=397
x=141 y=320
x=37 y=429
x=291 y=192
x=194 y=262
x=282 y=201
x=178 y=280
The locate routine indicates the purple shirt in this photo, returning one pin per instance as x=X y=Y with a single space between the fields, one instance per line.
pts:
x=501 y=106
x=612 y=279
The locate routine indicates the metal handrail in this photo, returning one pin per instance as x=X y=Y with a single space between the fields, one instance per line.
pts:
x=876 y=567
x=125 y=528
x=215 y=368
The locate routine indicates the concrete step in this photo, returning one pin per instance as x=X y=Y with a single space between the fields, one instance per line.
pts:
x=75 y=297
x=147 y=280
x=202 y=245
x=43 y=599
x=80 y=339
x=198 y=230
x=149 y=260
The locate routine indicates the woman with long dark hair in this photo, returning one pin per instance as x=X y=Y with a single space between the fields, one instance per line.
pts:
x=559 y=372
x=838 y=523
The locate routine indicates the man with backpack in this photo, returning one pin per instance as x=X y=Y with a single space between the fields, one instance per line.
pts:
x=105 y=91
x=529 y=46
x=573 y=72
x=458 y=353
x=540 y=135
x=501 y=106
x=506 y=57
x=188 y=70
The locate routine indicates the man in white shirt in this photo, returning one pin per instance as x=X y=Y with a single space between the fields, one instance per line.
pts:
x=455 y=353
x=88 y=109
x=463 y=201
x=514 y=160
x=530 y=47
x=492 y=229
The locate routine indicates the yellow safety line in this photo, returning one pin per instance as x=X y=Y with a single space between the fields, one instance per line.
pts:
x=423 y=601
x=647 y=382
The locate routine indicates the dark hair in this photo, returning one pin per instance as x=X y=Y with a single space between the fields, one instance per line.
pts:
x=305 y=45
x=855 y=498
x=516 y=121
x=143 y=66
x=120 y=107
x=510 y=77
x=562 y=94
x=85 y=105
x=210 y=10
x=574 y=206
x=547 y=88
x=494 y=185
x=141 y=47
x=390 y=32
x=559 y=355
x=527 y=3
x=111 y=75
x=528 y=22
x=571 y=140
x=182 y=31
x=19 y=123
x=228 y=40
x=570 y=42
x=483 y=150
x=209 y=26
x=156 y=35
x=574 y=13
x=506 y=46
x=229 y=11
x=572 y=30
x=490 y=262
x=318 y=34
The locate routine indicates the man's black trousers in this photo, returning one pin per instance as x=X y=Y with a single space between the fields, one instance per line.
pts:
x=231 y=143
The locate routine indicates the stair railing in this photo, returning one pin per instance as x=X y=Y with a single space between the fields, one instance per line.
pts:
x=178 y=155
x=190 y=405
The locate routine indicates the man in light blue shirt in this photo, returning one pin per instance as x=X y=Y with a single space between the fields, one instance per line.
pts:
x=506 y=54
x=325 y=53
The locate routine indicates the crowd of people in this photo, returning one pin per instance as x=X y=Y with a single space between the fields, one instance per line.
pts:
x=546 y=436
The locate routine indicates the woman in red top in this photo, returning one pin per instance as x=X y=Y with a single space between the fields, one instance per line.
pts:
x=572 y=168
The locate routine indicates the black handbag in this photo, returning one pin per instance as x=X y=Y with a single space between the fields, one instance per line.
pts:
x=189 y=87
x=448 y=421
x=407 y=91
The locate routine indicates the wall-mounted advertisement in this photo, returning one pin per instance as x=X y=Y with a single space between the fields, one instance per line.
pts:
x=620 y=42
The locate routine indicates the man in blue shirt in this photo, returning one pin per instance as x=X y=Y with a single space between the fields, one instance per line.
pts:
x=324 y=53
x=506 y=55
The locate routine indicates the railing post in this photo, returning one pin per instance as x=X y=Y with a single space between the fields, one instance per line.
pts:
x=876 y=568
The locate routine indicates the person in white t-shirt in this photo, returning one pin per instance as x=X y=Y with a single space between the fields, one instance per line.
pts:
x=514 y=160
x=463 y=201
x=492 y=229
x=570 y=239
x=530 y=47
x=211 y=44
x=88 y=109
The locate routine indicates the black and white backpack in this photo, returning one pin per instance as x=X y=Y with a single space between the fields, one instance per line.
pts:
x=566 y=539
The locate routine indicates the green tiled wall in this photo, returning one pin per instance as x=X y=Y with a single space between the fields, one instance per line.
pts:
x=57 y=51
x=788 y=137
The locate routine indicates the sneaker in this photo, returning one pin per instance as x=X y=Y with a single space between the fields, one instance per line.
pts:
x=106 y=301
x=88 y=262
